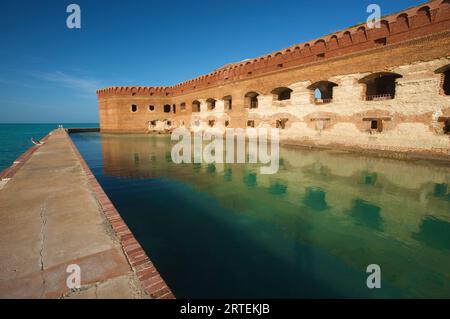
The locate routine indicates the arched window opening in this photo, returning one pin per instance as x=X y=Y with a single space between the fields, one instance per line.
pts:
x=195 y=106
x=282 y=94
x=183 y=106
x=322 y=92
x=151 y=108
x=228 y=103
x=167 y=108
x=380 y=86
x=210 y=104
x=134 y=108
x=251 y=100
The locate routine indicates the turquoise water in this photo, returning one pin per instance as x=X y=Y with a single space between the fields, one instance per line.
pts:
x=308 y=231
x=16 y=138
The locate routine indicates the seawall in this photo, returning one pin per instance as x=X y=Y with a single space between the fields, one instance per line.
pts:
x=53 y=213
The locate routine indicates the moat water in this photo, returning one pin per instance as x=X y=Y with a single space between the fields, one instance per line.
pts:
x=310 y=230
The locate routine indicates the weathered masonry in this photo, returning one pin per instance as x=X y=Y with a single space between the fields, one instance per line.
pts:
x=385 y=88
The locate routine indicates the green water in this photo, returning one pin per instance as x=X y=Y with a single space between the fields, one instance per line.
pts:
x=16 y=138
x=225 y=230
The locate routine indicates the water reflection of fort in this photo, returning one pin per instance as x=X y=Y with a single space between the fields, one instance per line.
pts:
x=361 y=209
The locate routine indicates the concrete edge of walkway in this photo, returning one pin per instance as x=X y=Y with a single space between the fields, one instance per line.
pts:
x=147 y=274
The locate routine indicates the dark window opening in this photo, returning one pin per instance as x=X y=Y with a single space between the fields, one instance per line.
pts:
x=211 y=123
x=211 y=104
x=445 y=79
x=227 y=123
x=195 y=106
x=183 y=106
x=381 y=42
x=447 y=126
x=321 y=56
x=169 y=123
x=153 y=123
x=151 y=107
x=251 y=123
x=167 y=108
x=133 y=108
x=446 y=84
x=228 y=103
x=376 y=125
x=280 y=65
x=281 y=124
x=174 y=108
x=380 y=86
x=251 y=100
x=282 y=94
x=322 y=92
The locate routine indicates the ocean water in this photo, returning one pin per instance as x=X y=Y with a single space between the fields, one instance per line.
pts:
x=16 y=138
x=311 y=230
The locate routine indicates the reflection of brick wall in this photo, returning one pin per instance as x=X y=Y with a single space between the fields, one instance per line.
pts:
x=413 y=43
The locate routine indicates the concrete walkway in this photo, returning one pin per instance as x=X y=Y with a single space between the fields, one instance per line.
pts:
x=49 y=219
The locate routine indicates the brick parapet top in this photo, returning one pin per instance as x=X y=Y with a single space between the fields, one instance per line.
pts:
x=422 y=20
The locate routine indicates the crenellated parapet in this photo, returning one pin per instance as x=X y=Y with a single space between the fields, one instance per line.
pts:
x=415 y=22
x=419 y=21
x=157 y=91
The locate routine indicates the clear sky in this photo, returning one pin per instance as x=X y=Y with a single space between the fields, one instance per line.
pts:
x=49 y=73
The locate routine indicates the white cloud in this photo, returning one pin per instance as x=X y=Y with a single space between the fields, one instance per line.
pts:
x=84 y=84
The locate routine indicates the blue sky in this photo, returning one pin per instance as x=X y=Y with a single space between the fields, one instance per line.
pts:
x=49 y=73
